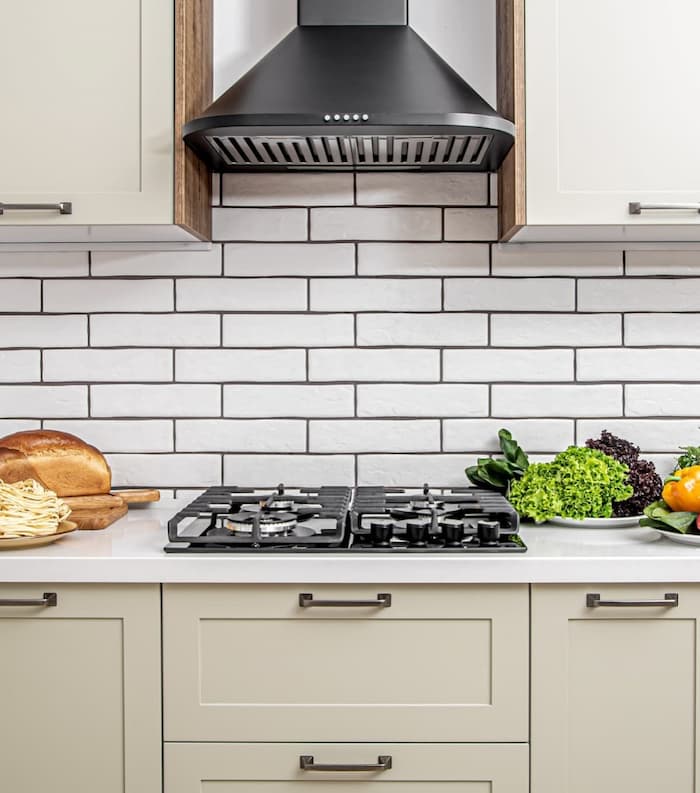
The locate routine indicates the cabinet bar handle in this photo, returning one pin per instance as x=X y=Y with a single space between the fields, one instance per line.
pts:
x=49 y=599
x=636 y=208
x=306 y=763
x=670 y=600
x=306 y=601
x=62 y=207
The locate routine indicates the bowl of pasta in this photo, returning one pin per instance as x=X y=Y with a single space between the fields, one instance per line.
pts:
x=31 y=515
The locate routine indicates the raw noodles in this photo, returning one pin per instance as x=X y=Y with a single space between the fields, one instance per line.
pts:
x=27 y=509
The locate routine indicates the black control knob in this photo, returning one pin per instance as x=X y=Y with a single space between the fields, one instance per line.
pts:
x=488 y=532
x=453 y=534
x=381 y=534
x=417 y=534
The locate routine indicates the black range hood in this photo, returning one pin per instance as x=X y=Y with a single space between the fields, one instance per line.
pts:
x=353 y=87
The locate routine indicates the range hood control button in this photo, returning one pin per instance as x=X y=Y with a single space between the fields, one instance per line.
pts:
x=356 y=117
x=346 y=117
x=326 y=117
x=336 y=117
x=365 y=117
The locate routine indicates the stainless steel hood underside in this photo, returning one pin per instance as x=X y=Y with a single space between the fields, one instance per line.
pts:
x=351 y=96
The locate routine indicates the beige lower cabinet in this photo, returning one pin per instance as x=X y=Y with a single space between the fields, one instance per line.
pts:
x=80 y=696
x=276 y=768
x=614 y=688
x=346 y=663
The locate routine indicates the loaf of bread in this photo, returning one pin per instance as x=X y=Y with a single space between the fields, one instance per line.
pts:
x=60 y=461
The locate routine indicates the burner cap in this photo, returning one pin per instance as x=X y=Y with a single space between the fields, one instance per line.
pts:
x=270 y=522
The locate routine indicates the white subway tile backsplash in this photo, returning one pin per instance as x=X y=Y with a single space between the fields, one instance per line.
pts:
x=107 y=401
x=533 y=435
x=74 y=264
x=125 y=366
x=10 y=426
x=662 y=399
x=286 y=189
x=137 y=436
x=288 y=330
x=73 y=296
x=230 y=366
x=19 y=295
x=250 y=294
x=417 y=330
x=264 y=225
x=226 y=435
x=638 y=294
x=556 y=330
x=20 y=366
x=422 y=189
x=423 y=258
x=43 y=401
x=260 y=401
x=662 y=262
x=539 y=260
x=44 y=330
x=412 y=470
x=165 y=470
x=498 y=365
x=376 y=435
x=380 y=294
x=374 y=365
x=637 y=365
x=556 y=400
x=243 y=259
x=360 y=223
x=661 y=329
x=295 y=470
x=107 y=263
x=471 y=224
x=651 y=435
x=509 y=294
x=151 y=330
x=422 y=400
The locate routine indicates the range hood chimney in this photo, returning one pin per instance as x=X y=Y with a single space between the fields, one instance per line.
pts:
x=353 y=87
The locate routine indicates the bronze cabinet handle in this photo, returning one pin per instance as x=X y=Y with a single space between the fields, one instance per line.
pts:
x=306 y=601
x=49 y=599
x=306 y=763
x=670 y=600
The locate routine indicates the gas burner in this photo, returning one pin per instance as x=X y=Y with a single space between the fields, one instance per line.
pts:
x=270 y=523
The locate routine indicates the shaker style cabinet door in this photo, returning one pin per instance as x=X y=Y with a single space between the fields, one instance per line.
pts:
x=276 y=768
x=345 y=663
x=87 y=107
x=80 y=695
x=614 y=688
x=612 y=116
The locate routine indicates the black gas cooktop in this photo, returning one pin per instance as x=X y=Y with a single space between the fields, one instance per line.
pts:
x=346 y=520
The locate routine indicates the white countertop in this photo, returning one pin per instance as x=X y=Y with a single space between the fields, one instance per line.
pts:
x=131 y=551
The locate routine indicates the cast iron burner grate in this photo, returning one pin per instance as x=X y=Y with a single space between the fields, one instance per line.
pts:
x=340 y=520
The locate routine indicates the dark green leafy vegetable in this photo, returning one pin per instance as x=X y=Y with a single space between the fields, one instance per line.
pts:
x=579 y=483
x=660 y=516
x=497 y=474
x=689 y=458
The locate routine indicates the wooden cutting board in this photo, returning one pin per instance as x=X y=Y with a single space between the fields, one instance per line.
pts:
x=93 y=513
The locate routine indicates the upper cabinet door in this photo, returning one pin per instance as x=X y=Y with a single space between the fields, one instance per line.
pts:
x=612 y=116
x=87 y=106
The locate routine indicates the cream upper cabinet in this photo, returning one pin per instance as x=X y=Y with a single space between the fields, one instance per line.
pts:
x=90 y=133
x=345 y=663
x=603 y=94
x=80 y=688
x=614 y=688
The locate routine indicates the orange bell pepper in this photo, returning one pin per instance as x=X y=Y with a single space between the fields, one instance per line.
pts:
x=682 y=490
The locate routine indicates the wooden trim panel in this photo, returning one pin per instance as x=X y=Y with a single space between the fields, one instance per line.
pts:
x=193 y=93
x=511 y=103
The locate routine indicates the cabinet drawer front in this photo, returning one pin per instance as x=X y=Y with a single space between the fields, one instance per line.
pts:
x=274 y=768
x=440 y=663
x=80 y=689
x=614 y=702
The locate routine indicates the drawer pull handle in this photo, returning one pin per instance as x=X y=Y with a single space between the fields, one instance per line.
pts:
x=670 y=600
x=636 y=208
x=49 y=599
x=306 y=763
x=306 y=601
x=62 y=207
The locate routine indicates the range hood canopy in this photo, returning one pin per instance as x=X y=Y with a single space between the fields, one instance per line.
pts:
x=353 y=87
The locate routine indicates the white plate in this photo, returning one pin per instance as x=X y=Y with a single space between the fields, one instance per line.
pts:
x=683 y=539
x=598 y=523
